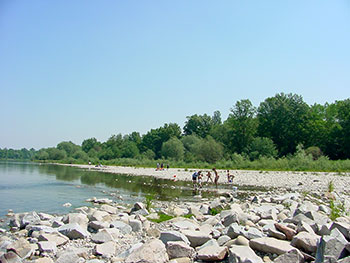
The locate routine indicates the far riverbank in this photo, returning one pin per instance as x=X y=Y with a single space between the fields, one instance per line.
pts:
x=299 y=181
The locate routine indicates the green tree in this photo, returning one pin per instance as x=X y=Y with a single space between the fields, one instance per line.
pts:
x=240 y=127
x=199 y=125
x=154 y=139
x=56 y=154
x=173 y=149
x=91 y=143
x=69 y=147
x=208 y=150
x=343 y=116
x=282 y=118
x=261 y=147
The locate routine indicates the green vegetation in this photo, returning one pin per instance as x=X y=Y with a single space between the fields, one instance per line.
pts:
x=337 y=210
x=148 y=201
x=283 y=133
x=330 y=187
x=162 y=217
x=188 y=216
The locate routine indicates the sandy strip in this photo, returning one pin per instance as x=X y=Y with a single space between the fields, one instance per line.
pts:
x=301 y=181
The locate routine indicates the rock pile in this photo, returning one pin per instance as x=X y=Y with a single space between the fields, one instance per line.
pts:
x=270 y=227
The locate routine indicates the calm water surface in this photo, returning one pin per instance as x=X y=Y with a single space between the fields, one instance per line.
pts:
x=26 y=186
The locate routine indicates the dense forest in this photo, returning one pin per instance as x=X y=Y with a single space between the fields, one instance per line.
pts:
x=281 y=127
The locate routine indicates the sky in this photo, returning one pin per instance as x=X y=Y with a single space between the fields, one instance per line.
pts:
x=73 y=70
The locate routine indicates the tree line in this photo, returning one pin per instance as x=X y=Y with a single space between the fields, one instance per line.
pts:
x=279 y=127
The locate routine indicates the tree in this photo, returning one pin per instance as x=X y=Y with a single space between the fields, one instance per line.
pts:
x=241 y=126
x=173 y=149
x=69 y=147
x=89 y=144
x=343 y=116
x=199 y=125
x=154 y=139
x=261 y=147
x=56 y=154
x=208 y=150
x=282 y=118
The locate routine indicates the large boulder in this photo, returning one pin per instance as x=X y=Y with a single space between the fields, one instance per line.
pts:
x=10 y=257
x=78 y=218
x=109 y=209
x=292 y=256
x=212 y=253
x=105 y=235
x=31 y=218
x=179 y=249
x=58 y=238
x=73 y=231
x=335 y=244
x=266 y=212
x=343 y=227
x=243 y=254
x=306 y=241
x=153 y=251
x=47 y=247
x=122 y=227
x=270 y=245
x=68 y=257
x=106 y=249
x=22 y=248
x=167 y=236
x=196 y=238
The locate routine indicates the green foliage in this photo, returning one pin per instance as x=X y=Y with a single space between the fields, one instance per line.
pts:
x=208 y=150
x=314 y=151
x=337 y=210
x=188 y=216
x=283 y=118
x=162 y=217
x=173 y=149
x=215 y=211
x=261 y=147
x=148 y=199
x=330 y=186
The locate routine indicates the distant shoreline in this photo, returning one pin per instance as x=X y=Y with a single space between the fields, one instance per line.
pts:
x=296 y=181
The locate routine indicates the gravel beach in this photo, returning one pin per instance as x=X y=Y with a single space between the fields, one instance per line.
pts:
x=296 y=181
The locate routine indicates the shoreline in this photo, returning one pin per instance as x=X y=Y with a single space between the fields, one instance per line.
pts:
x=288 y=180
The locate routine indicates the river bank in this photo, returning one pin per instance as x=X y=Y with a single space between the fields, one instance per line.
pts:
x=296 y=181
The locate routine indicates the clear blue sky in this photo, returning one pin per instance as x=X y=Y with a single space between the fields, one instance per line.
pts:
x=72 y=70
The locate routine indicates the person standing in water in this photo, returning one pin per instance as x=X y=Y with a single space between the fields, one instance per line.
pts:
x=230 y=177
x=216 y=179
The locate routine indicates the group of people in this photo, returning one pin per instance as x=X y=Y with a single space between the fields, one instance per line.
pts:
x=197 y=178
x=161 y=166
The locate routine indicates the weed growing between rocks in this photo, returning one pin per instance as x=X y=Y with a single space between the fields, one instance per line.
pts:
x=162 y=217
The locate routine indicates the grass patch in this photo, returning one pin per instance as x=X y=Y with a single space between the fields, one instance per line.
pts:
x=337 y=210
x=162 y=217
x=188 y=216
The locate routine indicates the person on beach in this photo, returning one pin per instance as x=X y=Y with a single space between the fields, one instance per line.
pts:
x=157 y=167
x=161 y=166
x=194 y=178
x=209 y=177
x=230 y=177
x=216 y=179
x=199 y=179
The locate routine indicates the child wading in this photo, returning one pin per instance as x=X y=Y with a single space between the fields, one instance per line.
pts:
x=194 y=178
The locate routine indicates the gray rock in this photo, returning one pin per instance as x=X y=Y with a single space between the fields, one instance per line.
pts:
x=306 y=241
x=73 y=231
x=230 y=219
x=133 y=248
x=305 y=227
x=212 y=253
x=109 y=209
x=324 y=229
x=204 y=209
x=105 y=235
x=96 y=225
x=270 y=245
x=106 y=249
x=185 y=224
x=243 y=254
x=58 y=238
x=306 y=206
x=273 y=232
x=136 y=225
x=68 y=257
x=325 y=209
x=78 y=218
x=42 y=228
x=179 y=249
x=252 y=233
x=122 y=227
x=223 y=240
x=292 y=256
x=234 y=230
x=266 y=212
x=47 y=247
x=167 y=236
x=153 y=251
x=45 y=217
x=196 y=238
x=335 y=244
x=22 y=248
x=98 y=215
x=343 y=227
x=10 y=257
x=211 y=242
x=31 y=218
